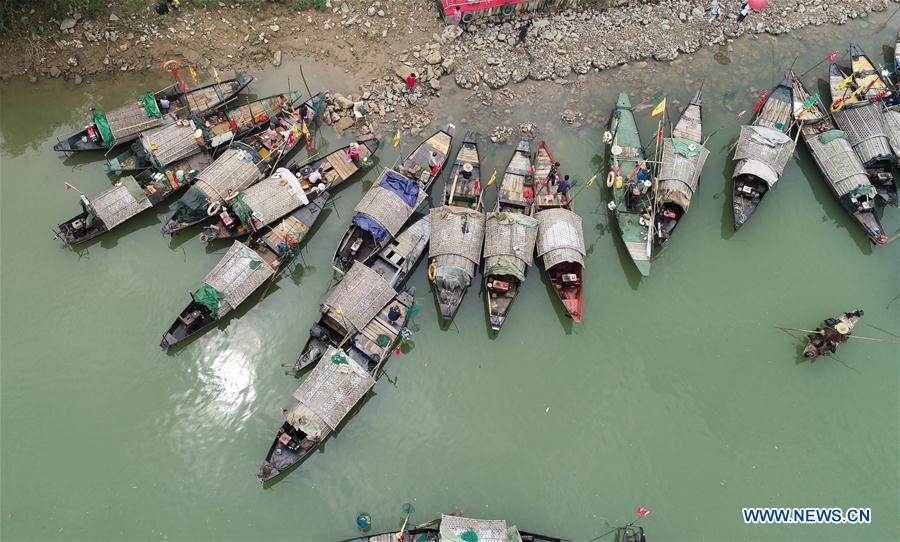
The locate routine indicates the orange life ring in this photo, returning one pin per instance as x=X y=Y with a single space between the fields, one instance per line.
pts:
x=170 y=65
x=432 y=271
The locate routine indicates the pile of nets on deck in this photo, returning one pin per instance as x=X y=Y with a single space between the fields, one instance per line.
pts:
x=209 y=297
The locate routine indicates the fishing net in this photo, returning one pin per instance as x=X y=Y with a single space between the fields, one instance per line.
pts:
x=686 y=147
x=468 y=536
x=506 y=267
x=103 y=127
x=452 y=278
x=383 y=340
x=412 y=312
x=241 y=209
x=150 y=106
x=408 y=508
x=209 y=297
x=191 y=206
x=338 y=358
x=831 y=135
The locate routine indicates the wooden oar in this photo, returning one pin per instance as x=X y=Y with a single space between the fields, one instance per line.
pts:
x=889 y=341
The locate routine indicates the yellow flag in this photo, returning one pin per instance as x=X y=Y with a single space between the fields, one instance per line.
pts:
x=660 y=107
x=844 y=83
x=295 y=130
x=304 y=129
x=397 y=139
x=216 y=75
x=493 y=178
x=338 y=312
x=193 y=73
x=590 y=182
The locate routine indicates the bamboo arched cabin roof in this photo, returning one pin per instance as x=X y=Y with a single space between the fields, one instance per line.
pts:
x=560 y=237
x=762 y=152
x=359 y=297
x=509 y=238
x=386 y=206
x=456 y=231
x=237 y=275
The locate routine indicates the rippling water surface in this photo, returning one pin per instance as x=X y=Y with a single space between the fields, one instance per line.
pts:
x=676 y=393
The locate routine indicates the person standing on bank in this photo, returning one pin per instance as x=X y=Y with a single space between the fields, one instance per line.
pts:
x=715 y=10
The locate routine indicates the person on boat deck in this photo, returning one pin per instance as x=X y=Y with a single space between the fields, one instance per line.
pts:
x=564 y=186
x=315 y=176
x=270 y=134
x=433 y=159
x=642 y=173
x=551 y=175
x=393 y=313
x=632 y=196
x=304 y=112
x=353 y=153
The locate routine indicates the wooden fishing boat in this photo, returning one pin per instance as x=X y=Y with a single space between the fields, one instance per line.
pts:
x=862 y=120
x=238 y=167
x=510 y=235
x=831 y=333
x=629 y=181
x=127 y=199
x=244 y=269
x=287 y=189
x=683 y=157
x=457 y=528
x=105 y=130
x=199 y=134
x=363 y=320
x=840 y=166
x=386 y=207
x=560 y=236
x=897 y=58
x=762 y=152
x=457 y=230
x=866 y=75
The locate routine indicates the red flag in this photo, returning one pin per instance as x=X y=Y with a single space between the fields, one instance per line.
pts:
x=434 y=169
x=532 y=169
x=832 y=56
x=740 y=115
x=878 y=96
x=659 y=135
x=641 y=511
x=397 y=351
x=290 y=138
x=477 y=181
x=184 y=86
x=68 y=187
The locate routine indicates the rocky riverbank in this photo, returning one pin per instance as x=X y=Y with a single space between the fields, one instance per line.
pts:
x=379 y=43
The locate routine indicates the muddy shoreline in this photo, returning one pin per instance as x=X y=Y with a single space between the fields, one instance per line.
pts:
x=377 y=44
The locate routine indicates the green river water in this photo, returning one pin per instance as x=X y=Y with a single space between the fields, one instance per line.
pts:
x=675 y=394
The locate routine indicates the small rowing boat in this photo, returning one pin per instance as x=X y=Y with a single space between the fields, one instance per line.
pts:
x=156 y=149
x=831 y=333
x=457 y=231
x=762 y=152
x=244 y=269
x=509 y=237
x=240 y=166
x=458 y=529
x=363 y=320
x=630 y=184
x=840 y=166
x=863 y=122
x=105 y=130
x=288 y=189
x=683 y=157
x=391 y=201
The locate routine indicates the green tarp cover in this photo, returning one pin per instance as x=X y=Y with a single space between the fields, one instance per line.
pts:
x=831 y=135
x=505 y=267
x=241 y=209
x=103 y=128
x=517 y=218
x=209 y=297
x=451 y=278
x=191 y=206
x=150 y=105
x=686 y=147
x=134 y=189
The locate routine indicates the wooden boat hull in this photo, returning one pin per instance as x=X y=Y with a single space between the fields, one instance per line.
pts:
x=546 y=194
x=569 y=292
x=505 y=264
x=81 y=142
x=196 y=318
x=220 y=230
x=560 y=245
x=432 y=534
x=423 y=164
x=632 y=212
x=761 y=154
x=849 y=318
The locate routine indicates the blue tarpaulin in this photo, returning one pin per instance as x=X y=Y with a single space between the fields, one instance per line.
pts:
x=406 y=189
x=371 y=225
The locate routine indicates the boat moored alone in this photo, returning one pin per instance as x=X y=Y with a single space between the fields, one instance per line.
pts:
x=683 y=157
x=457 y=231
x=458 y=529
x=287 y=189
x=863 y=122
x=831 y=333
x=237 y=168
x=105 y=130
x=509 y=237
x=241 y=271
x=763 y=150
x=630 y=183
x=840 y=166
x=391 y=201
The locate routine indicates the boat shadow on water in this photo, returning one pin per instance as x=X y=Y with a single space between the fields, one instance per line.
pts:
x=727 y=230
